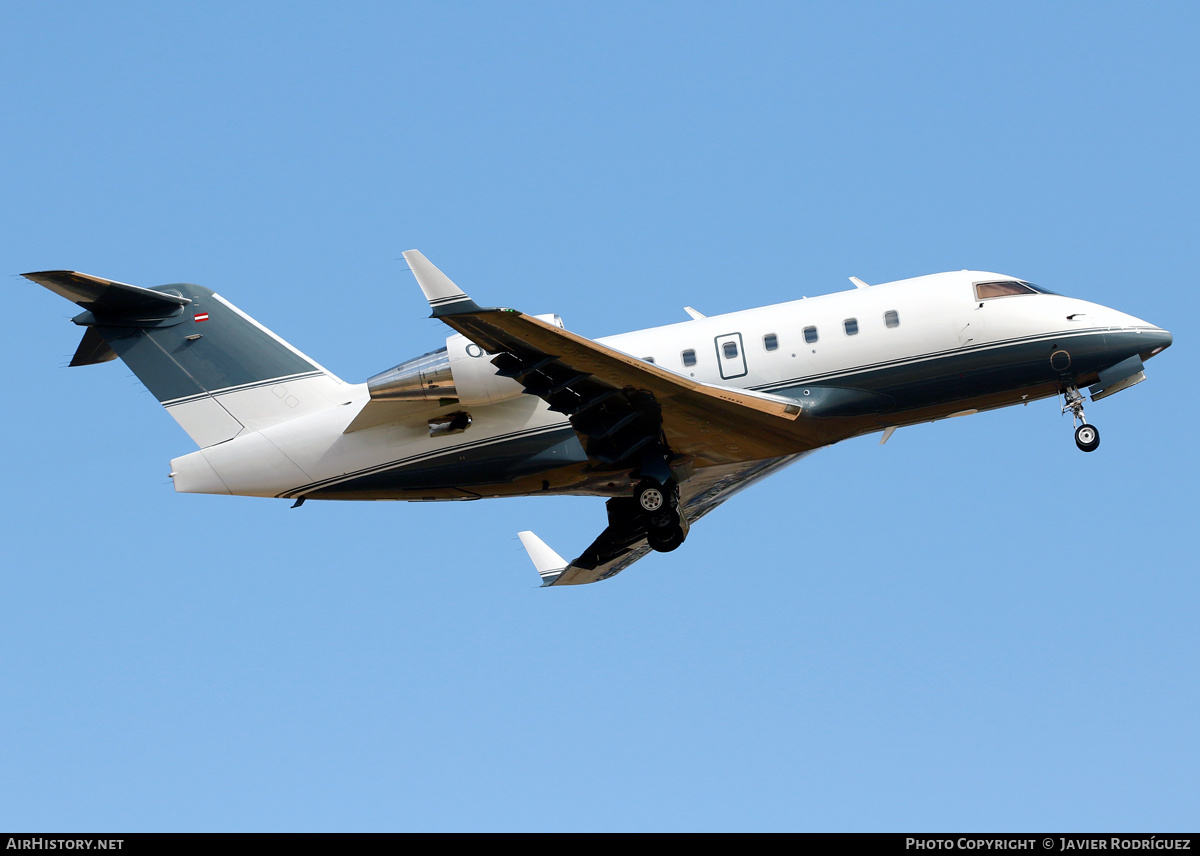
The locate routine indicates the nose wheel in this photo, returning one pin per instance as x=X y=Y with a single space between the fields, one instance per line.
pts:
x=1087 y=437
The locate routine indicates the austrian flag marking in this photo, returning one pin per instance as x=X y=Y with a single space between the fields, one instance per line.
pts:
x=203 y=316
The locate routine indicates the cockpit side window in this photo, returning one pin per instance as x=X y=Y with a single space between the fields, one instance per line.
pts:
x=1004 y=288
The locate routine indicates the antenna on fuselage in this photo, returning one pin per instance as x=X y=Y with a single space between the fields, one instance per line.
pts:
x=858 y=283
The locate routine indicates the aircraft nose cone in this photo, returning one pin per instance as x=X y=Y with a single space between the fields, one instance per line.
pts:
x=1160 y=340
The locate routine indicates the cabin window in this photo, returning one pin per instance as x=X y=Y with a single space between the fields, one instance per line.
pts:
x=891 y=318
x=730 y=350
x=810 y=335
x=689 y=357
x=1007 y=288
x=851 y=325
x=770 y=342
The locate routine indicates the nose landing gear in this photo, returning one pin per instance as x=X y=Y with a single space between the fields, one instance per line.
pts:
x=1087 y=437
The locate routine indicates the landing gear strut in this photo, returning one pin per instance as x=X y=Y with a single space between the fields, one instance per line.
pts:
x=1087 y=437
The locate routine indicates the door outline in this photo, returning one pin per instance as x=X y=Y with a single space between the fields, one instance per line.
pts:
x=729 y=367
x=971 y=333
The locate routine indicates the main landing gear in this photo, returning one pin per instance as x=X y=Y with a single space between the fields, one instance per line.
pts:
x=658 y=505
x=1087 y=437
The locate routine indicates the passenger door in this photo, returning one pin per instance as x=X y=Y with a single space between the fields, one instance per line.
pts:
x=731 y=356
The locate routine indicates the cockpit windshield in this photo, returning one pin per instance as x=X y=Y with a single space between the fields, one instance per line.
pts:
x=1007 y=288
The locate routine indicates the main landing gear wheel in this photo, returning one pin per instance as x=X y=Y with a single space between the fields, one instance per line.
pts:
x=666 y=539
x=664 y=518
x=1087 y=437
x=658 y=506
x=652 y=497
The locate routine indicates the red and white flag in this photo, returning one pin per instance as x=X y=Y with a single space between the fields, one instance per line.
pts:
x=203 y=316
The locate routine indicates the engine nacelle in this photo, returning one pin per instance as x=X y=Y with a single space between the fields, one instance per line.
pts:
x=460 y=371
x=475 y=377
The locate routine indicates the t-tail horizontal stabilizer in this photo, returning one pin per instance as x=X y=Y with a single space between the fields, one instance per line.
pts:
x=107 y=296
x=549 y=564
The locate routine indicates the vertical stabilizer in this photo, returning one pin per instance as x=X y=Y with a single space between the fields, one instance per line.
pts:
x=216 y=370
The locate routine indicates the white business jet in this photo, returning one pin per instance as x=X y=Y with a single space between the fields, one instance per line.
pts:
x=666 y=423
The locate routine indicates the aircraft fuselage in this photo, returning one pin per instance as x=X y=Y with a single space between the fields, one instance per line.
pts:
x=858 y=361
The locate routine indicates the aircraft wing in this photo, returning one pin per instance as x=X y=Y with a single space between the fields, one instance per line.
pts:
x=619 y=404
x=721 y=439
x=612 y=553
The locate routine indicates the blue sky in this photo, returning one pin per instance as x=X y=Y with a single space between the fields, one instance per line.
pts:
x=972 y=627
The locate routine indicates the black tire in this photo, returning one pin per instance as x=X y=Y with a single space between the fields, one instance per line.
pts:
x=665 y=540
x=664 y=518
x=1087 y=438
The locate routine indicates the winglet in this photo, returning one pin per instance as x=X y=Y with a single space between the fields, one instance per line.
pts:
x=445 y=298
x=549 y=564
